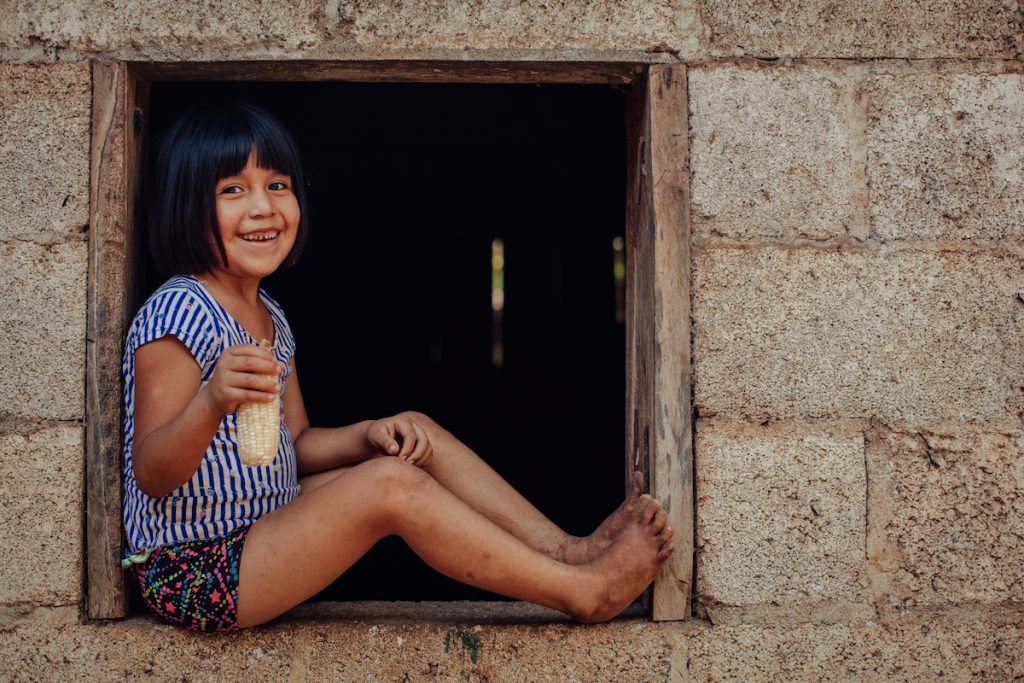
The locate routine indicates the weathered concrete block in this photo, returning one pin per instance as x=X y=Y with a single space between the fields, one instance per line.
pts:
x=912 y=336
x=946 y=156
x=218 y=29
x=42 y=330
x=665 y=25
x=441 y=648
x=41 y=515
x=167 y=30
x=917 y=650
x=952 y=515
x=431 y=647
x=44 y=151
x=868 y=28
x=780 y=513
x=771 y=153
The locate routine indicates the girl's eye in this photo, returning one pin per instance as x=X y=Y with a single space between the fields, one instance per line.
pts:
x=278 y=185
x=230 y=189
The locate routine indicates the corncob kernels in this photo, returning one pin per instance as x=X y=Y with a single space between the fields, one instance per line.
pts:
x=259 y=428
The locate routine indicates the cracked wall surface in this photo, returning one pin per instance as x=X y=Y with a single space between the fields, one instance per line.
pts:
x=857 y=245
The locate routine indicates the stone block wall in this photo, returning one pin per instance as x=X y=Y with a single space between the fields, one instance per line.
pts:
x=44 y=164
x=858 y=368
x=857 y=178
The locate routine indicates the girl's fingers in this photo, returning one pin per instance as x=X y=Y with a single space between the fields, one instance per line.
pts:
x=422 y=444
x=380 y=438
x=258 y=366
x=249 y=382
x=388 y=441
x=407 y=428
x=249 y=358
x=257 y=397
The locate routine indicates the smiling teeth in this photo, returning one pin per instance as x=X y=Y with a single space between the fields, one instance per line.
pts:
x=259 y=238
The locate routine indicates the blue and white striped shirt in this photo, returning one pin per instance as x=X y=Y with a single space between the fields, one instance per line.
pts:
x=223 y=495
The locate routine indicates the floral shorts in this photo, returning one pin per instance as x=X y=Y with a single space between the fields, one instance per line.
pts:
x=195 y=584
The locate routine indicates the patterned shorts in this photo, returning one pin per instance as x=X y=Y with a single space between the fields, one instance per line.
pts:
x=195 y=584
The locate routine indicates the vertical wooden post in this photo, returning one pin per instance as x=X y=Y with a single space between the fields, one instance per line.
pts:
x=659 y=429
x=639 y=283
x=115 y=154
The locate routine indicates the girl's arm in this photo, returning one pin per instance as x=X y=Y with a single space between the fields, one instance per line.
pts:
x=175 y=419
x=318 y=449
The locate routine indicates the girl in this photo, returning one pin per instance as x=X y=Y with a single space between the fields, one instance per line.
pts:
x=217 y=545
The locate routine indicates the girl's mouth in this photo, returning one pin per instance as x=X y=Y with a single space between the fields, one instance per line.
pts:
x=267 y=236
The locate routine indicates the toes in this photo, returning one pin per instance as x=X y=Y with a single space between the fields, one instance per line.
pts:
x=660 y=520
x=666 y=552
x=667 y=534
x=636 y=484
x=648 y=509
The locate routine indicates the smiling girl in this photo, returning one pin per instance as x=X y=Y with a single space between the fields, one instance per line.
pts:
x=216 y=545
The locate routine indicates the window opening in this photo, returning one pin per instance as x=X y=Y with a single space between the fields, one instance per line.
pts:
x=465 y=260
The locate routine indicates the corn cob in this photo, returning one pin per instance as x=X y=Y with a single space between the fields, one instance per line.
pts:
x=259 y=428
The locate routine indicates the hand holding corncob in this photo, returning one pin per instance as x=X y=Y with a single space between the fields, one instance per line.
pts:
x=246 y=381
x=259 y=427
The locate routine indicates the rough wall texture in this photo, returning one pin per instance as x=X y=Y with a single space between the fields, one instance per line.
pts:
x=950 y=514
x=43 y=329
x=41 y=517
x=858 y=306
x=44 y=151
x=772 y=154
x=869 y=28
x=945 y=159
x=781 y=514
x=434 y=646
x=913 y=335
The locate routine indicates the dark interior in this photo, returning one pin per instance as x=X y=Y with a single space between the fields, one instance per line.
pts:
x=391 y=303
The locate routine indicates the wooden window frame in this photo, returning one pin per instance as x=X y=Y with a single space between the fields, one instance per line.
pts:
x=658 y=348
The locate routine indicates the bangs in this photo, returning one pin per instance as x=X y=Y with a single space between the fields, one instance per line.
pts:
x=239 y=132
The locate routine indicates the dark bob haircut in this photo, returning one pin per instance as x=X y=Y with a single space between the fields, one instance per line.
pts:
x=206 y=143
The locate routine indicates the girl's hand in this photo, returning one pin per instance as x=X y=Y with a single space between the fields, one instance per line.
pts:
x=400 y=436
x=240 y=378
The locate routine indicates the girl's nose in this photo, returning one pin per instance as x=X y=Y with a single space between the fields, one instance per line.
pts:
x=260 y=204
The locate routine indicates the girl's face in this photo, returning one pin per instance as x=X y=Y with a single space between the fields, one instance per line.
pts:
x=258 y=219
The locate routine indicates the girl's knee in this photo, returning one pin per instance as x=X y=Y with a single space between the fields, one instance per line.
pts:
x=390 y=477
x=430 y=426
x=398 y=492
x=422 y=419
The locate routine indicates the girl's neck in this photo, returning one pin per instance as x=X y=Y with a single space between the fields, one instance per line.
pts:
x=240 y=298
x=225 y=286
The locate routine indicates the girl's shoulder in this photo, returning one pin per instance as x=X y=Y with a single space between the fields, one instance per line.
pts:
x=179 y=307
x=181 y=293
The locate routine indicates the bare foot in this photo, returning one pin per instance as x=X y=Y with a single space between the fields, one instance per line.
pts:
x=582 y=550
x=630 y=563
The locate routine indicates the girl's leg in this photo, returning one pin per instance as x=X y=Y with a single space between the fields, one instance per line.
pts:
x=294 y=552
x=315 y=481
x=465 y=474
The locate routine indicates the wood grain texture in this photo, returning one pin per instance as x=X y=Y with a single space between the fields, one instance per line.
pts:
x=639 y=284
x=113 y=179
x=659 y=413
x=639 y=290
x=389 y=70
x=672 y=448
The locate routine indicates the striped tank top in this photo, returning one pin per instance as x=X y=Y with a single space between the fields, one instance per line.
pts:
x=223 y=494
